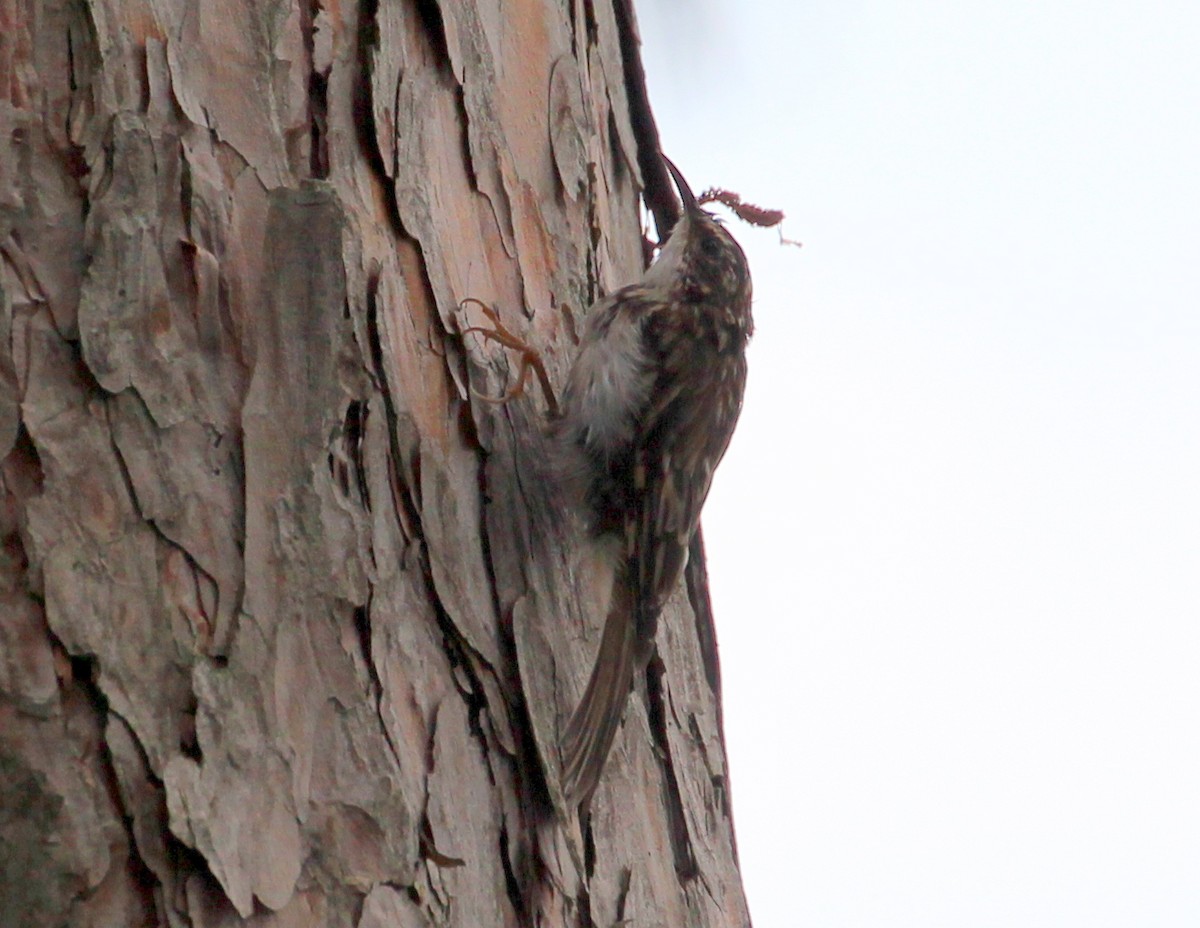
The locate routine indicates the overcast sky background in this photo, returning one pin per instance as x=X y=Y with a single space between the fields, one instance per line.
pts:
x=955 y=546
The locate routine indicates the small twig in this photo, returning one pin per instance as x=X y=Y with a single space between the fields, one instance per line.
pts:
x=747 y=212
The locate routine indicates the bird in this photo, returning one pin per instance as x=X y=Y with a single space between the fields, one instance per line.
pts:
x=651 y=401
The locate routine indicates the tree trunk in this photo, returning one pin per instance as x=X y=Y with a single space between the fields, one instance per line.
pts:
x=287 y=634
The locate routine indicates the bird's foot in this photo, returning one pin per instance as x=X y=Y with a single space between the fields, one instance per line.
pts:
x=529 y=358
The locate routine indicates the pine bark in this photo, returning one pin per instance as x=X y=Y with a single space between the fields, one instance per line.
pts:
x=288 y=632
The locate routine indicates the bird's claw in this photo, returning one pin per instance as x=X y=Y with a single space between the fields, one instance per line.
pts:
x=528 y=357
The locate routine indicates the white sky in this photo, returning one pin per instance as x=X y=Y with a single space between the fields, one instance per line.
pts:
x=955 y=547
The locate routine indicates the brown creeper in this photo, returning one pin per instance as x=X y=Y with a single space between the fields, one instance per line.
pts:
x=649 y=408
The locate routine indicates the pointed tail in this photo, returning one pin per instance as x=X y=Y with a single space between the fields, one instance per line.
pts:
x=593 y=726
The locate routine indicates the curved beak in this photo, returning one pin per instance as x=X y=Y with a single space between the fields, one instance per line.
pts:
x=685 y=192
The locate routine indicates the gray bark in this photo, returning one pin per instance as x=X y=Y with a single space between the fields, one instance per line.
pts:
x=287 y=632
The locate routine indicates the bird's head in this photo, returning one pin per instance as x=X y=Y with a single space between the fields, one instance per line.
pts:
x=701 y=262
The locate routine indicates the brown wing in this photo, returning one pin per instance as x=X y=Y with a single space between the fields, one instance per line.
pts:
x=686 y=428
